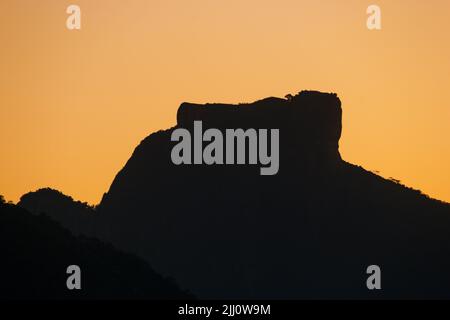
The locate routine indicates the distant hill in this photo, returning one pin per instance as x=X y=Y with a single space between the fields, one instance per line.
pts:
x=36 y=251
x=74 y=215
x=308 y=232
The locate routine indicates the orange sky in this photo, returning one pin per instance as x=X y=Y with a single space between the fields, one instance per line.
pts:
x=74 y=104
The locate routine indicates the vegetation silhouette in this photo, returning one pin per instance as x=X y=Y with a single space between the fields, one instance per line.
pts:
x=310 y=231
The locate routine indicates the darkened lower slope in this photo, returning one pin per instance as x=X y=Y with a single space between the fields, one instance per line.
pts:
x=35 y=253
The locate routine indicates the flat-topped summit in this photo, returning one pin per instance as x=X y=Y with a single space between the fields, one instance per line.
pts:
x=309 y=122
x=315 y=114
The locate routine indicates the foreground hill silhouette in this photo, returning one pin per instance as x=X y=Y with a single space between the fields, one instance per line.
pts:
x=74 y=215
x=308 y=232
x=36 y=251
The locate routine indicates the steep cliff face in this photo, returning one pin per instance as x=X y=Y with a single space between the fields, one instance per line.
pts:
x=310 y=125
x=310 y=122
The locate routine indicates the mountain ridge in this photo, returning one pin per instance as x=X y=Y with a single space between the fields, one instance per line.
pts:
x=226 y=232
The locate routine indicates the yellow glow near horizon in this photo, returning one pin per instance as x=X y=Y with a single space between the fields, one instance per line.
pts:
x=74 y=104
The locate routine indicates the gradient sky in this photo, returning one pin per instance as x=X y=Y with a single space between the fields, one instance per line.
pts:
x=75 y=104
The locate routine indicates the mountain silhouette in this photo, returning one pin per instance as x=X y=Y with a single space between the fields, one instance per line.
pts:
x=73 y=215
x=310 y=231
x=36 y=252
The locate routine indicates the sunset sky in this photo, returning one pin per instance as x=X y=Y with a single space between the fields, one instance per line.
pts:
x=75 y=104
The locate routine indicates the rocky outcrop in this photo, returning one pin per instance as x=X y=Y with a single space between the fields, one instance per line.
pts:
x=311 y=122
x=310 y=231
